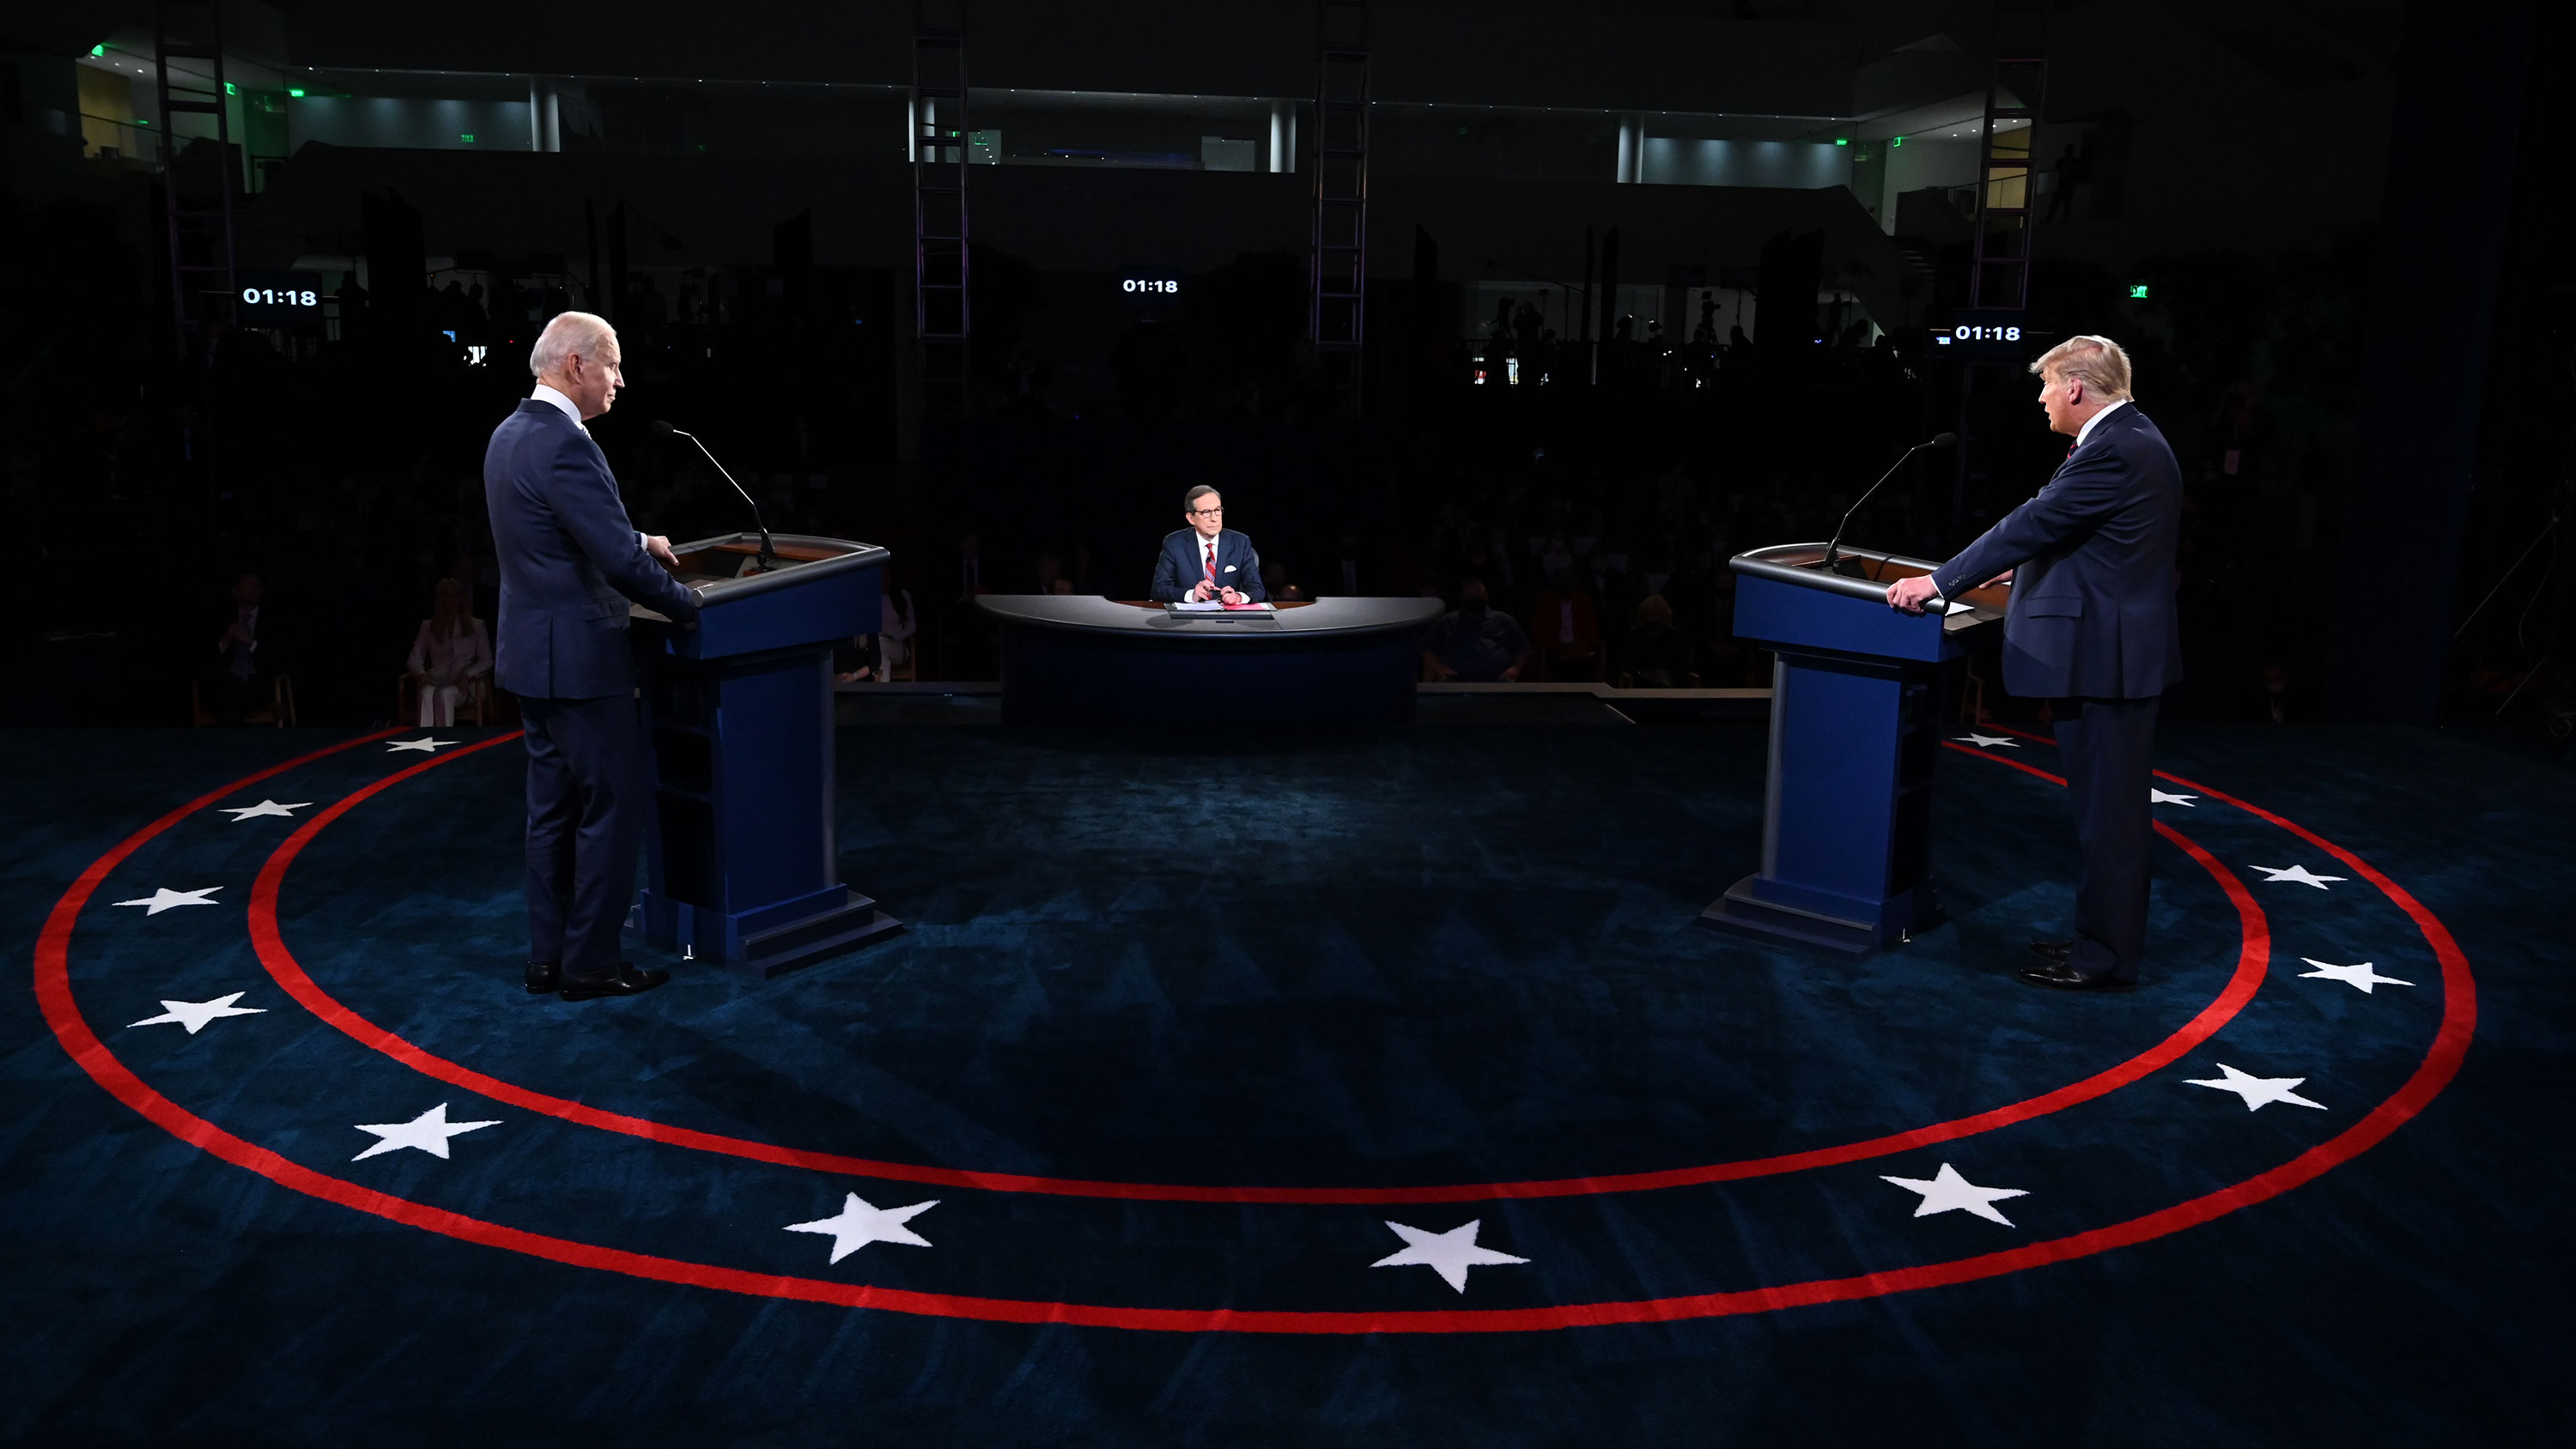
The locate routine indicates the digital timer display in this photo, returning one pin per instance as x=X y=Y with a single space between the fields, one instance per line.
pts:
x=278 y=299
x=1985 y=336
x=1149 y=287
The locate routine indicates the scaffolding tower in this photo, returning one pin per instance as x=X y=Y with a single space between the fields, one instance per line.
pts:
x=942 y=315
x=1338 y=316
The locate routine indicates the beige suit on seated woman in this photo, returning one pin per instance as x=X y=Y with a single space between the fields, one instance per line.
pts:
x=448 y=655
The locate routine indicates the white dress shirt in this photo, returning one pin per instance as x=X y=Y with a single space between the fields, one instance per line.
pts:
x=2086 y=431
x=552 y=398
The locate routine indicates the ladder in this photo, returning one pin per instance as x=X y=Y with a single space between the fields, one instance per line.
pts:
x=199 y=228
x=1338 y=309
x=2000 y=252
x=941 y=316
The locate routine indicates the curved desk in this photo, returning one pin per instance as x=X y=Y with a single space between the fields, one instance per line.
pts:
x=1072 y=660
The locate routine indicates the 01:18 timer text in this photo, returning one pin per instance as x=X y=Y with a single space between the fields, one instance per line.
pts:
x=277 y=297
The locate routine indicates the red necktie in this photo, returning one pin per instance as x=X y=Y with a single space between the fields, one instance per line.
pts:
x=1211 y=561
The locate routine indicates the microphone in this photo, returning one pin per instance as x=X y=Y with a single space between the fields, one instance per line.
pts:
x=1943 y=440
x=768 y=555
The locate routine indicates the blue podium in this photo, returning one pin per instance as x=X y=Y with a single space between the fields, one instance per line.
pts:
x=1856 y=697
x=744 y=867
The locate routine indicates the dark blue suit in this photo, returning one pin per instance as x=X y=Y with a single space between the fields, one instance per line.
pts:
x=2091 y=627
x=1184 y=563
x=570 y=561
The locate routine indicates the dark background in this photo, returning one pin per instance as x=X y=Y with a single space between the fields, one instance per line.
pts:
x=2345 y=219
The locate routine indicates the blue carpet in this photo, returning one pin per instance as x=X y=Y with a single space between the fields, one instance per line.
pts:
x=1288 y=993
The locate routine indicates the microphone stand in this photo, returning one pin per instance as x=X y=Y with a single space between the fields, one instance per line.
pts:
x=768 y=559
x=1834 y=544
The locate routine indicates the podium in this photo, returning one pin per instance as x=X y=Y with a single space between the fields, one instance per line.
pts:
x=1856 y=697
x=744 y=865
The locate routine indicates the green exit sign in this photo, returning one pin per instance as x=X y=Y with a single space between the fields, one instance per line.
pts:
x=2137 y=291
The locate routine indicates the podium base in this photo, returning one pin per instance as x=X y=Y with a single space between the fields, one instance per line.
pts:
x=1740 y=909
x=836 y=921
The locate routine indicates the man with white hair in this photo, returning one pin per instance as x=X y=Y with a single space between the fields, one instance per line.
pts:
x=2091 y=628
x=570 y=562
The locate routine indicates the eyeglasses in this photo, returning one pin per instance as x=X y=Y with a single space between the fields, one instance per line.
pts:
x=1209 y=511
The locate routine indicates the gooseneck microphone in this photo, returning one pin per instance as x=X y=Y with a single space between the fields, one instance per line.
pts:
x=768 y=555
x=1943 y=440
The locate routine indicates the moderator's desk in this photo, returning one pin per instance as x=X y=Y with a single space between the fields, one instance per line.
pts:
x=1068 y=660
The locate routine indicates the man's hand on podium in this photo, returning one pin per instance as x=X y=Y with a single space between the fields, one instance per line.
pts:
x=1911 y=594
x=1229 y=596
x=660 y=548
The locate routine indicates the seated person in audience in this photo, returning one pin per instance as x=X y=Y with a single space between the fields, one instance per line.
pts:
x=1657 y=655
x=1569 y=628
x=242 y=675
x=1475 y=643
x=1062 y=588
x=877 y=656
x=451 y=651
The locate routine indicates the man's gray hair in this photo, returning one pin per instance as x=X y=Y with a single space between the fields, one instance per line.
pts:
x=1190 y=500
x=2096 y=362
x=569 y=333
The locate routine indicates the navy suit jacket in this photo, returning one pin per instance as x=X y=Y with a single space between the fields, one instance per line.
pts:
x=570 y=561
x=1182 y=566
x=2092 y=611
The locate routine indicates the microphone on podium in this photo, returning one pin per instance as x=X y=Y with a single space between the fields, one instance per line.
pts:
x=768 y=555
x=1941 y=440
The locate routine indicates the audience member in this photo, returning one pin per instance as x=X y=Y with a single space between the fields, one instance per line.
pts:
x=243 y=675
x=1657 y=656
x=1569 y=629
x=449 y=654
x=1475 y=642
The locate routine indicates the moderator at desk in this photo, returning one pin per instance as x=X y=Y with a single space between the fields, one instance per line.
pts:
x=1071 y=660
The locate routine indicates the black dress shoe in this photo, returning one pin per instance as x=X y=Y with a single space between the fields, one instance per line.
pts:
x=626 y=981
x=2051 y=950
x=2057 y=976
x=544 y=977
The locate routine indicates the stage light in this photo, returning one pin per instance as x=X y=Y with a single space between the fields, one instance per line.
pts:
x=1842 y=140
x=2137 y=291
x=98 y=52
x=296 y=91
x=466 y=136
x=1896 y=140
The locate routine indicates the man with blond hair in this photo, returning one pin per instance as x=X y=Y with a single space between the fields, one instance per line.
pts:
x=2091 y=629
x=570 y=562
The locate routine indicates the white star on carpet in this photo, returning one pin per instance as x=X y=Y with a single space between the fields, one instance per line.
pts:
x=1448 y=1254
x=2297 y=873
x=241 y=813
x=424 y=744
x=860 y=1224
x=2258 y=1092
x=1981 y=741
x=429 y=1132
x=166 y=899
x=195 y=1014
x=1949 y=1192
x=2360 y=977
x=2159 y=797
